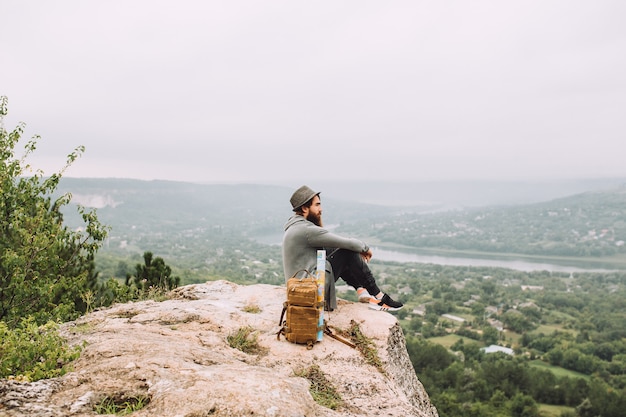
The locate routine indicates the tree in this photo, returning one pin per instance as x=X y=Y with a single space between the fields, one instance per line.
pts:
x=154 y=274
x=516 y=321
x=524 y=406
x=448 y=405
x=425 y=355
x=45 y=267
x=490 y=335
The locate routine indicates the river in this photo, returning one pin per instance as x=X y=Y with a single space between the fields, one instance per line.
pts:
x=516 y=264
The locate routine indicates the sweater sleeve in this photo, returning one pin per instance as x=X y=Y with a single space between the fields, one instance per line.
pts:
x=320 y=237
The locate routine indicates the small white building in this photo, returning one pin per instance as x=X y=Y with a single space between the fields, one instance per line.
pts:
x=497 y=348
x=453 y=318
x=532 y=287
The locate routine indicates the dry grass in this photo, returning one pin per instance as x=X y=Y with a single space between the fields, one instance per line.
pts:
x=322 y=391
x=246 y=339
x=364 y=345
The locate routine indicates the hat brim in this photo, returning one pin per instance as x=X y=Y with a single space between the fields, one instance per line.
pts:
x=302 y=199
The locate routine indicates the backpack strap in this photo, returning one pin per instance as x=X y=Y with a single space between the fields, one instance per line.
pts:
x=330 y=333
x=282 y=314
x=306 y=271
x=280 y=322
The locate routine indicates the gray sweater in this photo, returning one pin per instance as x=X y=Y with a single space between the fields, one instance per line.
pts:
x=301 y=241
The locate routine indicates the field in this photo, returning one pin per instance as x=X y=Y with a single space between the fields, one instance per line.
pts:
x=553 y=410
x=451 y=339
x=560 y=372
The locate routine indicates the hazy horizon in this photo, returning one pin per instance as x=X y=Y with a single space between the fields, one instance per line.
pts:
x=436 y=194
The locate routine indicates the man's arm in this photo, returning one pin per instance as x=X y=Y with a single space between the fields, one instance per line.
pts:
x=320 y=237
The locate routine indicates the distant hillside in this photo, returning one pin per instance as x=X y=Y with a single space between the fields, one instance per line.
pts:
x=591 y=224
x=443 y=195
x=147 y=205
x=150 y=205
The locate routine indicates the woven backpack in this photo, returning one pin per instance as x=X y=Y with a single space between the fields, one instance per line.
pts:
x=301 y=311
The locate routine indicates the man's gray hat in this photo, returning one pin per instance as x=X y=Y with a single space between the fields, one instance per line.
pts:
x=301 y=196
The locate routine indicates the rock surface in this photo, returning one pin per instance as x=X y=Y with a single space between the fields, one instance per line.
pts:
x=175 y=354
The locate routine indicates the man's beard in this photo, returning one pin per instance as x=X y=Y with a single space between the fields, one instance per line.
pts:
x=315 y=219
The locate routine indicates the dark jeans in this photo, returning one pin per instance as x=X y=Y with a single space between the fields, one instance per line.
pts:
x=352 y=268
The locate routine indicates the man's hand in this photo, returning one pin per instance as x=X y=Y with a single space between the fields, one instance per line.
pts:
x=367 y=255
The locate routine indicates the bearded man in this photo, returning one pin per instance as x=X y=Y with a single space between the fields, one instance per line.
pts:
x=346 y=257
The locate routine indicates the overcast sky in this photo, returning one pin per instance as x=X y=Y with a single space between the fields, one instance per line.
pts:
x=263 y=91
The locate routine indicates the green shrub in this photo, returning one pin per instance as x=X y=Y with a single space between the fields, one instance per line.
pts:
x=121 y=405
x=246 y=340
x=45 y=267
x=30 y=352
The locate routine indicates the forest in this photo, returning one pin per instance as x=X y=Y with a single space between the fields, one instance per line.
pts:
x=591 y=224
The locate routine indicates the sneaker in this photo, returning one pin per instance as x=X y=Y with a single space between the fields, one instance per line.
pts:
x=385 y=304
x=364 y=296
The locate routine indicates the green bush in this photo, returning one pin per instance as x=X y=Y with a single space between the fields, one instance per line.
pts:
x=30 y=352
x=246 y=339
x=121 y=405
x=45 y=267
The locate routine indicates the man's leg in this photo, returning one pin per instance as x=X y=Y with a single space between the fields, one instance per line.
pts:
x=353 y=269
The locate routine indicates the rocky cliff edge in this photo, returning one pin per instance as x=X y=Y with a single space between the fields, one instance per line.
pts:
x=175 y=355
